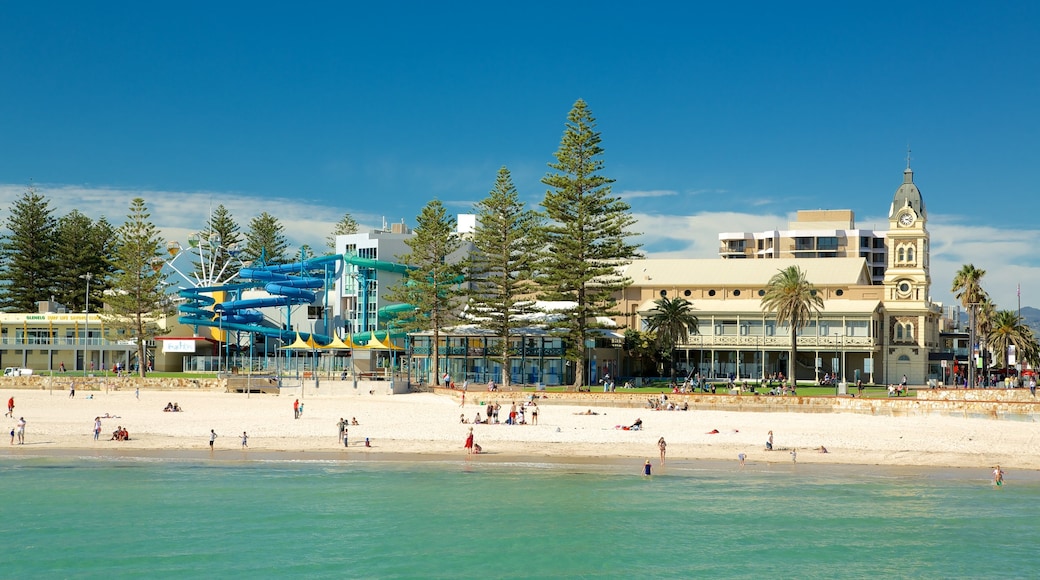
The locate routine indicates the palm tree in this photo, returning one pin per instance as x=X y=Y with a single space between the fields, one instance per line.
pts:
x=967 y=287
x=1006 y=329
x=794 y=300
x=672 y=320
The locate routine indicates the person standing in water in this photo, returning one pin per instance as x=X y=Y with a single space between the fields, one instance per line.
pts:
x=998 y=476
x=661 y=445
x=647 y=468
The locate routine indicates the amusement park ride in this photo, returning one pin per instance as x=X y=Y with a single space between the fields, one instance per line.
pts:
x=214 y=296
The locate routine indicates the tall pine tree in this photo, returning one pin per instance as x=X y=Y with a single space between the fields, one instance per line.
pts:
x=346 y=225
x=586 y=239
x=501 y=264
x=432 y=286
x=266 y=237
x=82 y=246
x=139 y=300
x=27 y=254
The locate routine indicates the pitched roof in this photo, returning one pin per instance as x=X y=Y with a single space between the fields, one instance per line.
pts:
x=719 y=272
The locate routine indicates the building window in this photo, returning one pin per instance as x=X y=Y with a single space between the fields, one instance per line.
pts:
x=686 y=293
x=711 y=292
x=736 y=292
x=664 y=293
x=839 y=292
x=804 y=244
x=828 y=243
x=761 y=292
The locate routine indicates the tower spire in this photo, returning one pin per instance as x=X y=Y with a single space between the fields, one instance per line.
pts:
x=908 y=156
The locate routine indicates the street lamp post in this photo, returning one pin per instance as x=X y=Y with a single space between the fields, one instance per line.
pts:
x=86 y=323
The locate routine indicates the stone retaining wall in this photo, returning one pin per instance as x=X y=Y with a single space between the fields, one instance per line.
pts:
x=1018 y=406
x=112 y=383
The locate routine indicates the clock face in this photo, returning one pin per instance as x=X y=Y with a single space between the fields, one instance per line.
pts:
x=906 y=219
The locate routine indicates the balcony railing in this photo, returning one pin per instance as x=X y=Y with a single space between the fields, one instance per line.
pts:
x=18 y=342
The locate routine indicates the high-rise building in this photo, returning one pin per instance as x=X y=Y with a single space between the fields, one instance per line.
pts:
x=822 y=233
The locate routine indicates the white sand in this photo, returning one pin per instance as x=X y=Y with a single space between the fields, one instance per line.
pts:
x=429 y=424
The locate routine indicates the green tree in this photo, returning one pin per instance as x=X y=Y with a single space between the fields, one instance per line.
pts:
x=224 y=237
x=345 y=226
x=266 y=238
x=793 y=300
x=672 y=320
x=1007 y=329
x=640 y=347
x=586 y=238
x=82 y=246
x=501 y=263
x=967 y=287
x=139 y=302
x=432 y=285
x=27 y=253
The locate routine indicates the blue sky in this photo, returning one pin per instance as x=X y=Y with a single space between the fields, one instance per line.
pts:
x=715 y=116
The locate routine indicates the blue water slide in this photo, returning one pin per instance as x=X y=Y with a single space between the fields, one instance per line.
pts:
x=288 y=284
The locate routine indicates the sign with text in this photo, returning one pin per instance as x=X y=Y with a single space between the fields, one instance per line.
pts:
x=178 y=346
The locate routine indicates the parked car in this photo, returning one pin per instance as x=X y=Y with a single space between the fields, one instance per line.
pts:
x=17 y=372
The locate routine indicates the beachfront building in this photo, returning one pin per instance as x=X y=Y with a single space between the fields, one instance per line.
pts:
x=469 y=352
x=825 y=233
x=53 y=338
x=866 y=330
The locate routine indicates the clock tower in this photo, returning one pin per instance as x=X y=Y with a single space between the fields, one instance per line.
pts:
x=911 y=321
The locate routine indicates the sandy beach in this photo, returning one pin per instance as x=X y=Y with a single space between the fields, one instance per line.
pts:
x=429 y=424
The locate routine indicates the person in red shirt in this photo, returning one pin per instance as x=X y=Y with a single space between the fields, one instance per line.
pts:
x=10 y=408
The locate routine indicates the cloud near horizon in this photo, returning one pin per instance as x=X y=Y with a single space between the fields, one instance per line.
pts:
x=1009 y=257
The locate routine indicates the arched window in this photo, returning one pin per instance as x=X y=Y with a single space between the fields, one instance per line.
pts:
x=909 y=254
x=900 y=256
x=909 y=331
x=899 y=332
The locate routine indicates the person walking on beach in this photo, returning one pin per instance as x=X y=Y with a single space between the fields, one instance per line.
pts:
x=998 y=476
x=469 y=441
x=769 y=442
x=10 y=408
x=342 y=425
x=97 y=428
x=661 y=445
x=21 y=431
x=72 y=391
x=345 y=434
x=245 y=440
x=212 y=438
x=741 y=457
x=296 y=409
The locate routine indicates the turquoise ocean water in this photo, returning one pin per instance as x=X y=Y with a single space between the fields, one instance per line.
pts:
x=149 y=517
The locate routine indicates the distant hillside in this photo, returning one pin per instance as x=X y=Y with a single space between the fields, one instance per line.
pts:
x=1031 y=316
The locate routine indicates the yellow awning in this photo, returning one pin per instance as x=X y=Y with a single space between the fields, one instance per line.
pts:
x=338 y=344
x=300 y=344
x=385 y=344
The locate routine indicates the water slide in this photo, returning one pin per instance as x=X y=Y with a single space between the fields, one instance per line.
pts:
x=288 y=285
